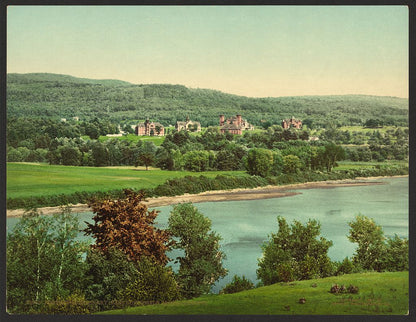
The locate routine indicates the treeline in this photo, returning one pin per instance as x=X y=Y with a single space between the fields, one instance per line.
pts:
x=56 y=142
x=50 y=271
x=57 y=96
x=392 y=144
x=192 y=185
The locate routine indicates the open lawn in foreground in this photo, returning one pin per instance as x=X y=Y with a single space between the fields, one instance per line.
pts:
x=35 y=179
x=379 y=293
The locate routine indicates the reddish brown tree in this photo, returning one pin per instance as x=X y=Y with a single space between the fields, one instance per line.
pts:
x=128 y=225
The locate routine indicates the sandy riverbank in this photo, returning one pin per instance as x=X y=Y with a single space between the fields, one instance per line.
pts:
x=227 y=195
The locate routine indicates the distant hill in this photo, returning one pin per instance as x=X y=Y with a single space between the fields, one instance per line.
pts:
x=47 y=77
x=64 y=96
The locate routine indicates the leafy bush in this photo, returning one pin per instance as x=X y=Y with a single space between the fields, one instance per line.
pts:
x=346 y=267
x=238 y=284
x=72 y=304
x=373 y=252
x=107 y=274
x=295 y=253
x=153 y=283
x=396 y=255
x=287 y=271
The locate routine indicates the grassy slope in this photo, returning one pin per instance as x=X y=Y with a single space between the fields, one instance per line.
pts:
x=379 y=293
x=25 y=180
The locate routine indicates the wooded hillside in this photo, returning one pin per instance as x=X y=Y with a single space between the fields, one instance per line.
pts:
x=63 y=96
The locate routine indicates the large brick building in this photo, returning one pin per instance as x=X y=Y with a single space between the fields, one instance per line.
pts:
x=188 y=125
x=234 y=125
x=150 y=128
x=292 y=122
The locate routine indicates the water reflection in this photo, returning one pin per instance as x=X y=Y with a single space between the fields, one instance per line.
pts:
x=333 y=212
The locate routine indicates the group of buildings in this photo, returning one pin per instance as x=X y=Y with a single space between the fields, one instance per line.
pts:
x=234 y=125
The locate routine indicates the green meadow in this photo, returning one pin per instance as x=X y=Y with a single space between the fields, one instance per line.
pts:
x=36 y=179
x=379 y=293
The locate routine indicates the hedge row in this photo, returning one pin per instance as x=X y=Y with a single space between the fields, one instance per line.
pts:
x=192 y=184
x=309 y=176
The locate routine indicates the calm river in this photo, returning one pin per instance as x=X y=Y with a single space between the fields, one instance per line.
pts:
x=245 y=225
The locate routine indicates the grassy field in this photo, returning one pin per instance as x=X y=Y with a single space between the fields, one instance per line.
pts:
x=31 y=179
x=379 y=293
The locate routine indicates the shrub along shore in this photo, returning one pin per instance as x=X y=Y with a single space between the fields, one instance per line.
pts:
x=217 y=188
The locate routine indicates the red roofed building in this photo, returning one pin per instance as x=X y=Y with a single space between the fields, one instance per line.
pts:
x=150 y=129
x=234 y=125
x=292 y=122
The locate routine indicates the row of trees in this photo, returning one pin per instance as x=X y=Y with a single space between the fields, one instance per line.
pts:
x=35 y=133
x=297 y=252
x=126 y=263
x=43 y=140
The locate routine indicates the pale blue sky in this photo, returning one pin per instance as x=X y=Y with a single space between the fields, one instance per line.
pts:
x=246 y=50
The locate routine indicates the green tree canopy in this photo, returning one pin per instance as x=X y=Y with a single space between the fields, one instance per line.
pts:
x=259 y=162
x=373 y=252
x=201 y=265
x=295 y=253
x=44 y=261
x=128 y=225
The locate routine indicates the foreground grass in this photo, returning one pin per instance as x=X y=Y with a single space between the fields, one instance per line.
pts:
x=379 y=293
x=33 y=180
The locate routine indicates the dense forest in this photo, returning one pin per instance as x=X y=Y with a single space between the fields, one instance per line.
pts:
x=61 y=96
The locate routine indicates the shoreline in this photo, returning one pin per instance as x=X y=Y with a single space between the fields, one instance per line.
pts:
x=266 y=192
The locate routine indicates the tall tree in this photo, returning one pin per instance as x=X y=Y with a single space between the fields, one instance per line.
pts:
x=146 y=154
x=44 y=261
x=127 y=224
x=146 y=159
x=370 y=239
x=201 y=265
x=332 y=154
x=259 y=162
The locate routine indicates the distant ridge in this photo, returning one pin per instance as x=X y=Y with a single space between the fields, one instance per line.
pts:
x=64 y=96
x=49 y=77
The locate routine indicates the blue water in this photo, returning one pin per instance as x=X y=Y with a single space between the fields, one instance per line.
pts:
x=245 y=225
